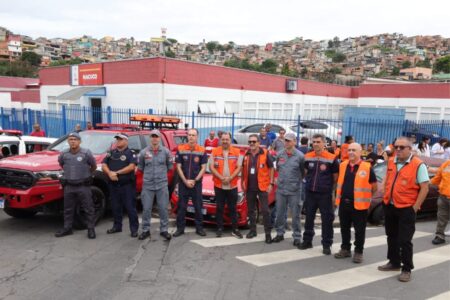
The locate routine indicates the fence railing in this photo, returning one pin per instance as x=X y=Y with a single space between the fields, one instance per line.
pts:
x=63 y=121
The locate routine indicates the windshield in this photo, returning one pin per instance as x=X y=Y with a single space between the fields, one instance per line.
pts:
x=180 y=139
x=380 y=171
x=97 y=142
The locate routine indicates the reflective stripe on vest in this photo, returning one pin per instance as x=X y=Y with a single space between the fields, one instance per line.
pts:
x=233 y=158
x=362 y=191
x=402 y=185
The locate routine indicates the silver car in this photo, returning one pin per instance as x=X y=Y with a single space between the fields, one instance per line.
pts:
x=307 y=128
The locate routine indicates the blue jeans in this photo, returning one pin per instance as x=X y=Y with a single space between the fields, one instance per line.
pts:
x=293 y=201
x=162 y=199
x=124 y=195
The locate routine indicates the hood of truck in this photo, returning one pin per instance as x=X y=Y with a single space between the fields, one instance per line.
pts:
x=38 y=161
x=208 y=185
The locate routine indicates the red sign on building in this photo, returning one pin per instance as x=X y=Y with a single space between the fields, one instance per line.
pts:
x=91 y=74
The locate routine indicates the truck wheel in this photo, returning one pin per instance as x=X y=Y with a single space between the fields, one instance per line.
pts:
x=377 y=216
x=99 y=199
x=20 y=213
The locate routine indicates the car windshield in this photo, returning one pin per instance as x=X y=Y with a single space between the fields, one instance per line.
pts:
x=380 y=171
x=310 y=125
x=180 y=139
x=97 y=142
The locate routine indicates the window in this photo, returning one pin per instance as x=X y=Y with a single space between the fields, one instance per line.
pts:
x=231 y=107
x=263 y=110
x=250 y=109
x=253 y=128
x=207 y=107
x=411 y=113
x=276 y=110
x=430 y=113
x=176 y=106
x=134 y=143
x=287 y=110
x=447 y=114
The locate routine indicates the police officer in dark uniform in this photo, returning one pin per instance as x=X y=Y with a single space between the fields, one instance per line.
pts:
x=119 y=164
x=78 y=164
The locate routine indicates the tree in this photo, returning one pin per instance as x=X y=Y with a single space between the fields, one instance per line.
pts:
x=336 y=42
x=62 y=62
x=442 y=65
x=169 y=53
x=33 y=58
x=211 y=46
x=18 y=69
x=424 y=63
x=330 y=44
x=269 y=66
x=172 y=41
x=304 y=72
x=339 y=57
x=395 y=71
x=406 y=64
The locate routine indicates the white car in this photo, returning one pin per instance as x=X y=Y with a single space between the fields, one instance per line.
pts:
x=22 y=144
x=307 y=128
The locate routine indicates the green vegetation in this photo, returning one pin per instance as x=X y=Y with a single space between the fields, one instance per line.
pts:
x=27 y=66
x=267 y=66
x=63 y=62
x=424 y=63
x=406 y=64
x=442 y=65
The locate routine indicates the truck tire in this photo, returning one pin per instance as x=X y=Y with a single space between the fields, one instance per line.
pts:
x=99 y=199
x=377 y=216
x=20 y=213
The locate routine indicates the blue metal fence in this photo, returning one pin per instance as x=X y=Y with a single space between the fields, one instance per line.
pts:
x=60 y=122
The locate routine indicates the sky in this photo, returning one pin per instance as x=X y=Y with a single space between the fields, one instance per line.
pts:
x=243 y=22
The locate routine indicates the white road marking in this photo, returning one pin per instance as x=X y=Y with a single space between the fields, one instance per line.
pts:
x=443 y=296
x=284 y=256
x=354 y=277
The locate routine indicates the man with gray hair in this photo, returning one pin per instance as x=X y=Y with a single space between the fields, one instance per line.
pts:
x=355 y=186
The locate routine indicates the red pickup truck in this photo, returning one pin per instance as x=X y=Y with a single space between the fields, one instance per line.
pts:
x=30 y=183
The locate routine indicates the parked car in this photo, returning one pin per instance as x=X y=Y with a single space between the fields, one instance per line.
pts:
x=307 y=128
x=209 y=203
x=12 y=142
x=376 y=212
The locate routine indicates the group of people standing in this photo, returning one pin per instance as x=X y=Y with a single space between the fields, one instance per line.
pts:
x=316 y=174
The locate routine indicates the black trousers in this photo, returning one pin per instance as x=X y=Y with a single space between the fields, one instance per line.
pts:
x=195 y=194
x=83 y=194
x=252 y=200
x=323 y=202
x=348 y=215
x=230 y=198
x=400 y=225
x=124 y=196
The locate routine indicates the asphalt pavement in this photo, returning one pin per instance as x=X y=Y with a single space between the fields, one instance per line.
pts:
x=34 y=264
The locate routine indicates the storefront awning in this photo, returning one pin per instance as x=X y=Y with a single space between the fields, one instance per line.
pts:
x=77 y=93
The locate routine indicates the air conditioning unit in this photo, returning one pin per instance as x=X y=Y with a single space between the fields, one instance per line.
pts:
x=291 y=85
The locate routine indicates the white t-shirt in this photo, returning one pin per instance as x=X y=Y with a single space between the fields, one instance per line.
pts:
x=437 y=151
x=447 y=153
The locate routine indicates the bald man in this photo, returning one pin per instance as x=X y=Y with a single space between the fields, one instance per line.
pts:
x=356 y=184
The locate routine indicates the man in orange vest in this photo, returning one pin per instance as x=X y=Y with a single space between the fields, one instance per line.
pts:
x=344 y=147
x=257 y=182
x=225 y=165
x=406 y=186
x=442 y=179
x=356 y=184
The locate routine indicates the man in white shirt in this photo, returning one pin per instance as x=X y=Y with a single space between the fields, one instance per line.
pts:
x=437 y=150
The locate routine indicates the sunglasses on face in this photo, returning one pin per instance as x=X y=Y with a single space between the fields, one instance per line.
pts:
x=252 y=142
x=401 y=147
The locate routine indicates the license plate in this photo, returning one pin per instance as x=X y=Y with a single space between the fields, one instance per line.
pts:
x=191 y=209
x=2 y=203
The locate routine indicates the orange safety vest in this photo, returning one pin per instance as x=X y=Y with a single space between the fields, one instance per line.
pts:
x=401 y=186
x=233 y=158
x=442 y=179
x=344 y=151
x=391 y=150
x=362 y=188
x=337 y=152
x=263 y=171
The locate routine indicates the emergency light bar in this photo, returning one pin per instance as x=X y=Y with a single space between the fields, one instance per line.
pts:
x=116 y=126
x=11 y=132
x=156 y=122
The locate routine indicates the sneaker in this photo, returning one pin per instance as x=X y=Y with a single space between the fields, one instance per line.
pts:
x=237 y=234
x=343 y=253
x=251 y=235
x=144 y=235
x=63 y=232
x=357 y=258
x=113 y=230
x=437 y=241
x=296 y=243
x=177 y=233
x=200 y=232
x=268 y=238
x=278 y=239
x=326 y=250
x=404 y=276
x=305 y=245
x=219 y=233
x=389 y=267
x=166 y=235
x=91 y=233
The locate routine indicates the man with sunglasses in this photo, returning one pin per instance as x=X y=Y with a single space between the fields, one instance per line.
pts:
x=355 y=186
x=321 y=173
x=406 y=186
x=257 y=182
x=155 y=161
x=191 y=160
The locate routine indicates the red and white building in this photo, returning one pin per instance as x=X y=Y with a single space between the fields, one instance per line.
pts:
x=172 y=85
x=19 y=92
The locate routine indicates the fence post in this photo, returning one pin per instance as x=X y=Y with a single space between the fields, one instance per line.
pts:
x=298 y=130
x=13 y=121
x=349 y=126
x=150 y=111
x=30 y=120
x=109 y=115
x=232 y=127
x=64 y=119
x=24 y=120
x=84 y=116
x=442 y=128
x=45 y=122
x=193 y=120
x=3 y=118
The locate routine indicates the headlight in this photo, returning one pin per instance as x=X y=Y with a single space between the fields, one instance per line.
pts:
x=48 y=175
x=240 y=197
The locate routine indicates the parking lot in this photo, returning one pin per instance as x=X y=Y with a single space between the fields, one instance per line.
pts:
x=35 y=264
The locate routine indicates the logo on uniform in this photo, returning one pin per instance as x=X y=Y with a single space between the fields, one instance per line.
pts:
x=363 y=174
x=404 y=182
x=282 y=160
x=323 y=167
x=196 y=159
x=123 y=158
x=311 y=165
x=185 y=157
x=79 y=158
